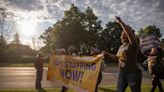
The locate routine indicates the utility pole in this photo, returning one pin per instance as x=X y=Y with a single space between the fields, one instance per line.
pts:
x=38 y=44
x=33 y=42
x=16 y=38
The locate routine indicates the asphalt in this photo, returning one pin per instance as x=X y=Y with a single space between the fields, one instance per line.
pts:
x=24 y=77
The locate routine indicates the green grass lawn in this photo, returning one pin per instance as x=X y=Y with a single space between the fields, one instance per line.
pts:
x=106 y=88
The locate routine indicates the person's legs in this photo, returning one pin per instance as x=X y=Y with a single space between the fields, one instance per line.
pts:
x=64 y=89
x=154 y=83
x=156 y=77
x=121 y=83
x=98 y=81
x=36 y=84
x=134 y=81
x=39 y=78
x=159 y=85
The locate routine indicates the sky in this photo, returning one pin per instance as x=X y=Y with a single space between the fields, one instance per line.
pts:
x=32 y=17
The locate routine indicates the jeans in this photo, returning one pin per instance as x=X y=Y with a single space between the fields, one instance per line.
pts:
x=132 y=79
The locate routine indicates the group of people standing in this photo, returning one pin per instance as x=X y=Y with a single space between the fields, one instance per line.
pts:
x=130 y=74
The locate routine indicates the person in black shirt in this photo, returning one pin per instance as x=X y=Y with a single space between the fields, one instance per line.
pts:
x=129 y=73
x=39 y=70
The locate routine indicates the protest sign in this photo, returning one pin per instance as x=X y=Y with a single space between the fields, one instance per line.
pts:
x=78 y=73
x=147 y=42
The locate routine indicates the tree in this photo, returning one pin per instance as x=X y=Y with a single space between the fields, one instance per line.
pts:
x=4 y=28
x=92 y=26
x=16 y=38
x=47 y=39
x=72 y=31
x=76 y=28
x=110 y=37
x=151 y=29
x=162 y=40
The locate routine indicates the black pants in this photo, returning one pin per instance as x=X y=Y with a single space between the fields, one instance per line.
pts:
x=156 y=82
x=156 y=78
x=98 y=81
x=39 y=75
x=64 y=89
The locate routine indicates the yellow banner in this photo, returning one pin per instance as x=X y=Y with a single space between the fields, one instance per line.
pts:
x=75 y=72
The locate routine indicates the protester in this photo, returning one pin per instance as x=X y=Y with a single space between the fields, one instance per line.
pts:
x=154 y=63
x=94 y=52
x=39 y=70
x=62 y=52
x=71 y=51
x=153 y=52
x=129 y=73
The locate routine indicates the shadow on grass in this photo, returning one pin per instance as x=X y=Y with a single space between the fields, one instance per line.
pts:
x=106 y=90
x=41 y=90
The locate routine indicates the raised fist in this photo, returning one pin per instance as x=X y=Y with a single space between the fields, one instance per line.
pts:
x=118 y=19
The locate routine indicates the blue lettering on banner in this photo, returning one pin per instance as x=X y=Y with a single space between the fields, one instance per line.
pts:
x=80 y=65
x=74 y=75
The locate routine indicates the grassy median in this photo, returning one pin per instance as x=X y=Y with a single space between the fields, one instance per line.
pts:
x=105 y=88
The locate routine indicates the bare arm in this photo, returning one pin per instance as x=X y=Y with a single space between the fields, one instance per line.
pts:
x=111 y=56
x=128 y=32
x=153 y=51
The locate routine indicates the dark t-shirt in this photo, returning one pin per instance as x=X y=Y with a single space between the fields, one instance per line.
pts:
x=127 y=55
x=39 y=63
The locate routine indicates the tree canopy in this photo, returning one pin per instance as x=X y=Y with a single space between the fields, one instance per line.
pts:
x=77 y=28
x=151 y=29
x=110 y=37
x=83 y=30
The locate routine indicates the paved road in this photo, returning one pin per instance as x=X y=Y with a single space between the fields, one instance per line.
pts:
x=24 y=77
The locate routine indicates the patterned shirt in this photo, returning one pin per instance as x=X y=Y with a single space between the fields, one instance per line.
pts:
x=127 y=55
